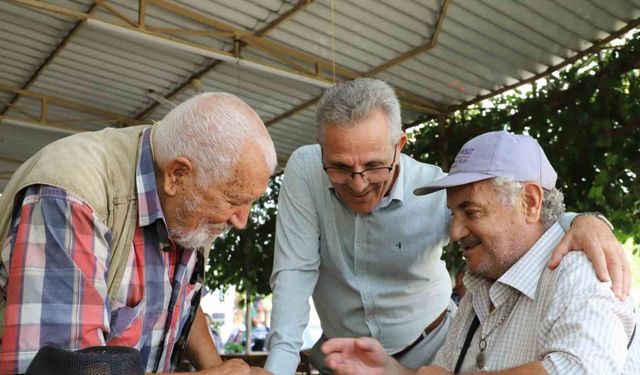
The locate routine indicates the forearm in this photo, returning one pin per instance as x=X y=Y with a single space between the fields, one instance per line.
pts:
x=289 y=317
x=201 y=351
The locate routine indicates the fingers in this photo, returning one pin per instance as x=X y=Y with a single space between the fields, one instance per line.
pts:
x=336 y=345
x=232 y=366
x=259 y=371
x=368 y=344
x=614 y=267
x=236 y=366
x=333 y=360
x=561 y=249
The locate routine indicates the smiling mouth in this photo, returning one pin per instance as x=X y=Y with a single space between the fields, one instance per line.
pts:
x=360 y=195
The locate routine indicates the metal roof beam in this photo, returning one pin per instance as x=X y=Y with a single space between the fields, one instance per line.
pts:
x=594 y=48
x=409 y=101
x=420 y=49
x=35 y=125
x=262 y=32
x=319 y=63
x=50 y=100
x=111 y=9
x=413 y=101
x=11 y=160
x=56 y=51
x=185 y=45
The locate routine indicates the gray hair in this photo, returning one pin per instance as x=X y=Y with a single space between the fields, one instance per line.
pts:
x=212 y=130
x=552 y=202
x=348 y=103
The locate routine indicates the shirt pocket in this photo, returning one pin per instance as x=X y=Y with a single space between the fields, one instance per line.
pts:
x=126 y=325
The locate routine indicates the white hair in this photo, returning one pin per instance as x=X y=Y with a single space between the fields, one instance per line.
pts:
x=552 y=202
x=348 y=103
x=213 y=131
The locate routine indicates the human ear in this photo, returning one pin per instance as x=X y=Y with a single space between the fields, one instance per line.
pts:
x=177 y=174
x=532 y=196
x=403 y=140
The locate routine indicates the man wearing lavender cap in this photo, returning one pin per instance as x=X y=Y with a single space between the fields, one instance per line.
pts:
x=517 y=317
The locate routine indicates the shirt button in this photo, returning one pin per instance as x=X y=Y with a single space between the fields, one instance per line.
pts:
x=367 y=298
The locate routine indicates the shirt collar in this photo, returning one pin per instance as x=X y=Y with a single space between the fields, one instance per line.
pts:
x=397 y=189
x=525 y=274
x=149 y=208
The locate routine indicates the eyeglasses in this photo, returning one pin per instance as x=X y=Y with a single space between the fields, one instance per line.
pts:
x=373 y=175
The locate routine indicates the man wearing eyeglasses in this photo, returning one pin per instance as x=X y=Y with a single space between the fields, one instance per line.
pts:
x=351 y=232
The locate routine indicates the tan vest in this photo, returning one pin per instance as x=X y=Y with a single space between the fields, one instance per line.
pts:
x=98 y=167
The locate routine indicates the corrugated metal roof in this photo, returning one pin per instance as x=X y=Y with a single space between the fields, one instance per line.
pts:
x=93 y=64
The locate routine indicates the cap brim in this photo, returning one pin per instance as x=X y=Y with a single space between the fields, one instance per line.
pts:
x=451 y=180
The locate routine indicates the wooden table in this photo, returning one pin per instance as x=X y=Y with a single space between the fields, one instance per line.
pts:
x=258 y=359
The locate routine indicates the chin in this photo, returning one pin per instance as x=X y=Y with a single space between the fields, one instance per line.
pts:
x=361 y=208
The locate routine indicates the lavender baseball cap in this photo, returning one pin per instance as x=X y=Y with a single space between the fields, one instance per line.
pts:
x=497 y=154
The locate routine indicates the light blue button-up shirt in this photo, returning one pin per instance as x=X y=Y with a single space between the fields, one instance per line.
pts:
x=377 y=274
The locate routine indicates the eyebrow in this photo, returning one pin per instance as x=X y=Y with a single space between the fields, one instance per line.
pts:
x=466 y=204
x=370 y=163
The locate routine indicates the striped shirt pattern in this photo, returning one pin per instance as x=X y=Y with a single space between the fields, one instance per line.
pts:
x=56 y=259
x=566 y=318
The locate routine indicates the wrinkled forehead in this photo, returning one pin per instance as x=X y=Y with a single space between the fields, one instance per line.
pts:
x=480 y=193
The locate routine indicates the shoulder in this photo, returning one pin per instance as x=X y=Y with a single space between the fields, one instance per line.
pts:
x=576 y=266
x=575 y=280
x=305 y=161
x=306 y=154
x=418 y=173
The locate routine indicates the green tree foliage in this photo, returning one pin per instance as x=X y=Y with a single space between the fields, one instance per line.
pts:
x=587 y=119
x=245 y=258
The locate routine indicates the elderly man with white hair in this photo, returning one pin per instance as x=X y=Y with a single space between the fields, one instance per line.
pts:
x=104 y=234
x=518 y=316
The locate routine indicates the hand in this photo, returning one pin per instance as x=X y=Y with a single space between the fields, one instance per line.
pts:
x=590 y=234
x=259 y=371
x=363 y=356
x=233 y=366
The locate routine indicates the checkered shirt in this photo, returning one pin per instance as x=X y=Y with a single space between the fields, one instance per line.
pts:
x=56 y=259
x=566 y=318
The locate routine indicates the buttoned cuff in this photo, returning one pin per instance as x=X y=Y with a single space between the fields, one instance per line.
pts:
x=281 y=362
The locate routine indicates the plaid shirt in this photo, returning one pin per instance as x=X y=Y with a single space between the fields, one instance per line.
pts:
x=56 y=259
x=566 y=318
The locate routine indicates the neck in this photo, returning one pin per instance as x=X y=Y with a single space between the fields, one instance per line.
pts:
x=527 y=238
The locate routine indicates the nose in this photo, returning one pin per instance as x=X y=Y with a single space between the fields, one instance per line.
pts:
x=240 y=217
x=358 y=183
x=458 y=229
